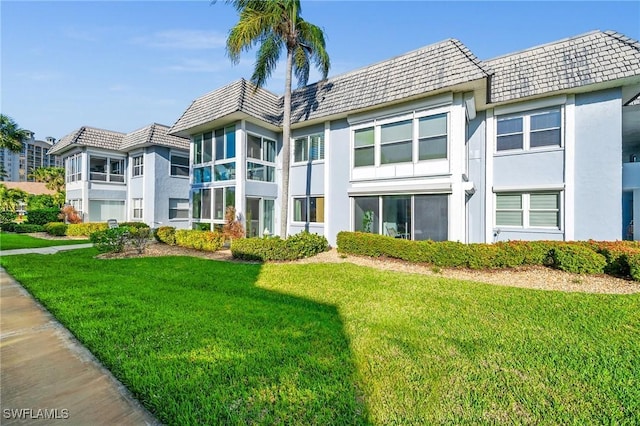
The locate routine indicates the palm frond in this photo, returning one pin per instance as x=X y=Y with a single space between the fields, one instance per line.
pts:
x=312 y=37
x=301 y=65
x=267 y=58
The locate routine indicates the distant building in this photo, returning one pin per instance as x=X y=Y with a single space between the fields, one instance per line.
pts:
x=19 y=166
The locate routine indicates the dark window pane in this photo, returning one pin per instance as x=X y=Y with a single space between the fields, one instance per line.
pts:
x=545 y=138
x=509 y=125
x=219 y=135
x=366 y=215
x=396 y=153
x=545 y=120
x=206 y=204
x=364 y=156
x=300 y=209
x=431 y=217
x=231 y=142
x=432 y=148
x=253 y=147
x=509 y=142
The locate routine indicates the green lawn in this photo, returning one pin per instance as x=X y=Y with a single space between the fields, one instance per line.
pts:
x=20 y=241
x=199 y=341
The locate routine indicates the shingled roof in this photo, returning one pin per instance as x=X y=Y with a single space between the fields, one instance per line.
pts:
x=596 y=57
x=89 y=136
x=153 y=134
x=430 y=68
x=239 y=96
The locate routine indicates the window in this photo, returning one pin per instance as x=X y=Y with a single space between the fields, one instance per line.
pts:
x=364 y=154
x=105 y=169
x=263 y=153
x=216 y=200
x=308 y=209
x=103 y=210
x=73 y=166
x=414 y=217
x=531 y=130
x=138 y=165
x=178 y=208
x=308 y=148
x=137 y=208
x=202 y=174
x=396 y=142
x=528 y=210
x=417 y=137
x=225 y=171
x=179 y=166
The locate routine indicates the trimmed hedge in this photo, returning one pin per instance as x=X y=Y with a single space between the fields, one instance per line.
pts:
x=166 y=234
x=137 y=225
x=26 y=228
x=43 y=216
x=295 y=247
x=620 y=258
x=85 y=229
x=199 y=240
x=57 y=229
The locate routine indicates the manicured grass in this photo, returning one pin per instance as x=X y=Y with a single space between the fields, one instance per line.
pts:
x=10 y=241
x=200 y=341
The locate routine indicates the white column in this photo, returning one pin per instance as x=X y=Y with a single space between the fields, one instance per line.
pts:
x=327 y=182
x=457 y=216
x=569 y=168
x=489 y=141
x=241 y=170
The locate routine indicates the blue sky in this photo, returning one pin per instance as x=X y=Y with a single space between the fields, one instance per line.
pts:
x=122 y=65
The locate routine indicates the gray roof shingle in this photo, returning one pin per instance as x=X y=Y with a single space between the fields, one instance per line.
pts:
x=239 y=96
x=154 y=134
x=595 y=57
x=430 y=68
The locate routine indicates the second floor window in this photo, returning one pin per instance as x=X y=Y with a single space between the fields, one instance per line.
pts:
x=217 y=145
x=138 y=166
x=261 y=155
x=531 y=130
x=308 y=148
x=73 y=166
x=106 y=169
x=179 y=166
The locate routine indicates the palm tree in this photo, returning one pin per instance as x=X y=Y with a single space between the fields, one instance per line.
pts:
x=10 y=198
x=11 y=136
x=276 y=25
x=54 y=179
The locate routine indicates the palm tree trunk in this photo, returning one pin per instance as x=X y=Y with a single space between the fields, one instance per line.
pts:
x=286 y=147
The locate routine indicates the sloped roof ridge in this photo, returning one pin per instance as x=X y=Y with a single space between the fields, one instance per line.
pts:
x=551 y=43
x=473 y=58
x=623 y=38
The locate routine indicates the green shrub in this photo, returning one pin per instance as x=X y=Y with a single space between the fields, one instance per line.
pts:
x=25 y=228
x=8 y=227
x=85 y=229
x=111 y=240
x=199 y=240
x=578 y=260
x=301 y=245
x=43 y=216
x=139 y=238
x=633 y=261
x=7 y=216
x=166 y=234
x=138 y=225
x=57 y=229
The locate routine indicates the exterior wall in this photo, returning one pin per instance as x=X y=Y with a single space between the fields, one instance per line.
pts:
x=338 y=206
x=529 y=169
x=476 y=174
x=160 y=186
x=598 y=206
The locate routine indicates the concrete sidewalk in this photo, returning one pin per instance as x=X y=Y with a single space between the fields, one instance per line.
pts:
x=45 y=250
x=48 y=377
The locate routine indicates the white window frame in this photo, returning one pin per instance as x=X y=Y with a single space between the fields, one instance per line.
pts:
x=415 y=117
x=526 y=130
x=137 y=208
x=307 y=199
x=177 y=202
x=526 y=209
x=137 y=168
x=73 y=168
x=171 y=165
x=262 y=161
x=308 y=144
x=109 y=177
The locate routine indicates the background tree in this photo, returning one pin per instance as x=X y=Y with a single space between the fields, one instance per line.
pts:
x=54 y=179
x=276 y=26
x=41 y=201
x=11 y=136
x=10 y=198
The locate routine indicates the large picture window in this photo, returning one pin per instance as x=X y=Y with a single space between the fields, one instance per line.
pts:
x=413 y=217
x=410 y=139
x=209 y=204
x=105 y=169
x=528 y=210
x=531 y=130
